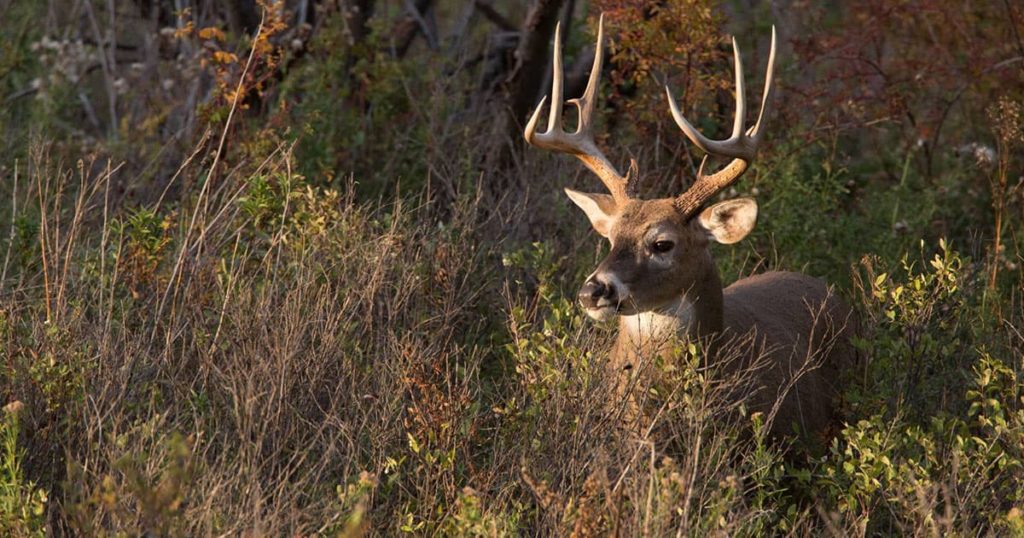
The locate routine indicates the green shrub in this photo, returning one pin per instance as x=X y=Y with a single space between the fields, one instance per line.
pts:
x=919 y=325
x=22 y=503
x=318 y=319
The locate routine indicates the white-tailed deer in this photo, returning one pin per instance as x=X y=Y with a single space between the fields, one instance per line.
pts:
x=662 y=282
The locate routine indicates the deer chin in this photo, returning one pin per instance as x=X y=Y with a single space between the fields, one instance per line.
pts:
x=606 y=309
x=602 y=313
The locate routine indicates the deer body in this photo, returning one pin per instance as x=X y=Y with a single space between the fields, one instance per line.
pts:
x=790 y=318
x=660 y=279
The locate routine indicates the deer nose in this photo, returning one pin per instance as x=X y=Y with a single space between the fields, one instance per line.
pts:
x=595 y=293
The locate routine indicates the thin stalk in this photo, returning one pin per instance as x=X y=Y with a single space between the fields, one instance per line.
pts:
x=14 y=215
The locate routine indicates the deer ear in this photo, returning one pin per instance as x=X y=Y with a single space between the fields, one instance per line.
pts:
x=600 y=209
x=729 y=221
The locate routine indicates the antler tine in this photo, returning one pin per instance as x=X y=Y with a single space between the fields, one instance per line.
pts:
x=555 y=115
x=741 y=92
x=585 y=104
x=581 y=143
x=769 y=78
x=741 y=145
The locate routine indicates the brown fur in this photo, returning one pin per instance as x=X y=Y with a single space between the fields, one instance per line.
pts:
x=790 y=322
x=661 y=280
x=806 y=329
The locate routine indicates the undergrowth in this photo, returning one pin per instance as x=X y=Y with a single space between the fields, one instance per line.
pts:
x=325 y=316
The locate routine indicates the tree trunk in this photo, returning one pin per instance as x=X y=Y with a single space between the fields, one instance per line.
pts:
x=523 y=85
x=243 y=17
x=359 y=13
x=532 y=59
x=407 y=29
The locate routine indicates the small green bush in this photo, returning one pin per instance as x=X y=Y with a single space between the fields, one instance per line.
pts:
x=23 y=504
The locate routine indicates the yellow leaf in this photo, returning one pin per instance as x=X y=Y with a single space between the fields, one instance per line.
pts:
x=225 y=57
x=212 y=32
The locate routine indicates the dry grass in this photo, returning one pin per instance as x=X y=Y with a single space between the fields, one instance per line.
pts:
x=198 y=340
x=338 y=366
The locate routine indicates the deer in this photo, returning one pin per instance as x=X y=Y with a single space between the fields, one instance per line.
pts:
x=660 y=278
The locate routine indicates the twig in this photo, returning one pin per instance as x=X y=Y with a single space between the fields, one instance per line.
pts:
x=89 y=111
x=104 y=237
x=491 y=14
x=184 y=165
x=1013 y=26
x=14 y=214
x=428 y=34
x=176 y=272
x=108 y=70
x=32 y=90
x=21 y=93
x=42 y=244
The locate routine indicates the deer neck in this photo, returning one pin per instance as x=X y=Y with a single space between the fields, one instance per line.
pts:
x=697 y=313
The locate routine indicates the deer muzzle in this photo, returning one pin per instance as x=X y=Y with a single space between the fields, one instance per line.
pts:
x=600 y=299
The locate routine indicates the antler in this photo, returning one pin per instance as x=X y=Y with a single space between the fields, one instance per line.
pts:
x=581 y=143
x=741 y=146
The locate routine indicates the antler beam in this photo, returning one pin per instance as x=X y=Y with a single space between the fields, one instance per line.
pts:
x=740 y=146
x=581 y=143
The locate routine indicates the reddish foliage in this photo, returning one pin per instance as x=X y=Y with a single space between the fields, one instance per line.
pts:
x=681 y=45
x=930 y=65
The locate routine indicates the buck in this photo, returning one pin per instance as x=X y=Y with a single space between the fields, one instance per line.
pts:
x=661 y=281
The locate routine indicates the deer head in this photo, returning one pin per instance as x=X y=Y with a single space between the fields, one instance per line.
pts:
x=659 y=248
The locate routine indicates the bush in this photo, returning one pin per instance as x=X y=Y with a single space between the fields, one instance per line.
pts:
x=22 y=504
x=290 y=296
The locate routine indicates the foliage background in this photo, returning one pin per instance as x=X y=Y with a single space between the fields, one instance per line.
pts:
x=285 y=267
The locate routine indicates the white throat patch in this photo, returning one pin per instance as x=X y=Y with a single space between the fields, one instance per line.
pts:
x=657 y=326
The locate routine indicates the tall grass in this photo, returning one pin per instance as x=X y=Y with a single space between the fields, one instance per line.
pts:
x=317 y=365
x=301 y=362
x=324 y=318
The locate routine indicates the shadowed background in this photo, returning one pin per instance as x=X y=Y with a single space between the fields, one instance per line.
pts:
x=287 y=267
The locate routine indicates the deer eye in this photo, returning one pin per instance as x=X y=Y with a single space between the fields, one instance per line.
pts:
x=662 y=246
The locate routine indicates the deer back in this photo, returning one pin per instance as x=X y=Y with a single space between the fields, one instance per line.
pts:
x=800 y=331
